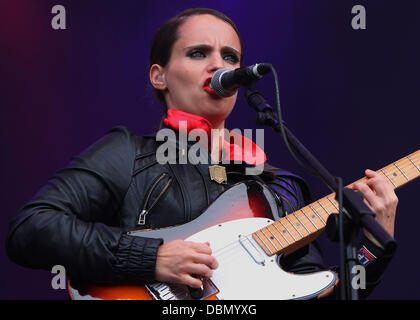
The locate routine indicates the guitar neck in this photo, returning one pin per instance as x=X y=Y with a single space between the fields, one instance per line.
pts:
x=301 y=227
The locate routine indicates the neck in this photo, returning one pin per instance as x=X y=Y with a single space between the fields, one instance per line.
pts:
x=217 y=140
x=218 y=125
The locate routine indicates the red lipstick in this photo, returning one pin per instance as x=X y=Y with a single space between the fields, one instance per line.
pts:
x=206 y=87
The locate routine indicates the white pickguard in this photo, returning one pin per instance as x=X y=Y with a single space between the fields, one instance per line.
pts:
x=240 y=277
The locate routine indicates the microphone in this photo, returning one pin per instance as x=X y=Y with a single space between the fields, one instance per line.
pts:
x=225 y=82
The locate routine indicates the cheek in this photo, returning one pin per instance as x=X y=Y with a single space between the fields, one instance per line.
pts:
x=183 y=85
x=176 y=80
x=183 y=73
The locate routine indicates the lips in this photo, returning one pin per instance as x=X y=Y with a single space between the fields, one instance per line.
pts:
x=206 y=87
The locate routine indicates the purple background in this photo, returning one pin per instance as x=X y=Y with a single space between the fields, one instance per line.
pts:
x=350 y=96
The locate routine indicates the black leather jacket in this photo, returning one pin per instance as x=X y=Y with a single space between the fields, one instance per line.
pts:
x=81 y=217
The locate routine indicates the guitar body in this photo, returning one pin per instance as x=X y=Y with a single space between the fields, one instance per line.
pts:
x=246 y=234
x=245 y=271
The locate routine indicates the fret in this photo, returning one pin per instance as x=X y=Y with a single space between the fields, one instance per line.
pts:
x=271 y=238
x=333 y=205
x=310 y=219
x=308 y=223
x=388 y=178
x=401 y=171
x=287 y=217
x=408 y=167
x=362 y=180
x=265 y=244
x=301 y=223
x=281 y=233
x=319 y=202
x=278 y=240
x=317 y=214
x=398 y=173
x=408 y=157
x=288 y=231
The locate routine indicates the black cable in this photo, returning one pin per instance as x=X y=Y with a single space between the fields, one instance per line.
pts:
x=308 y=169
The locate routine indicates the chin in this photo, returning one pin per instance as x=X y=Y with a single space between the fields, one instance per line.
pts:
x=217 y=116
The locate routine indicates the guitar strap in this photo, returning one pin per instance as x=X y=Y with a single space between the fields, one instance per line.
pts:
x=272 y=173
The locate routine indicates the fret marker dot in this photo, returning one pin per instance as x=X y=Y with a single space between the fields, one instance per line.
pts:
x=395 y=174
x=284 y=231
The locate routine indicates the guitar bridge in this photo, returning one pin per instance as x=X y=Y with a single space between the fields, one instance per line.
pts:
x=165 y=291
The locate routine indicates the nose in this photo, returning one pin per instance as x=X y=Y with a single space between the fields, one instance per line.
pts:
x=215 y=63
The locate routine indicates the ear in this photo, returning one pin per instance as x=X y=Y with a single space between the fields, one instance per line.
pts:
x=157 y=77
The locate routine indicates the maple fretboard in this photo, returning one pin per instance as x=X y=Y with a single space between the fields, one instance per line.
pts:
x=304 y=225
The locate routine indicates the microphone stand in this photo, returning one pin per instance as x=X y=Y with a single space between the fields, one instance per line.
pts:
x=353 y=213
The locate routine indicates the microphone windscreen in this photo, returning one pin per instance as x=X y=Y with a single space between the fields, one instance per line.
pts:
x=216 y=84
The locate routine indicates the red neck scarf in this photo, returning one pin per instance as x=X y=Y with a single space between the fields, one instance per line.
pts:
x=242 y=149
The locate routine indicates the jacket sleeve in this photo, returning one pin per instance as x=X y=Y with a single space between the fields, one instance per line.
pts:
x=294 y=194
x=73 y=220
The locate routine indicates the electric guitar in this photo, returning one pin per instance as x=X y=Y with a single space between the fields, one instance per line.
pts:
x=247 y=242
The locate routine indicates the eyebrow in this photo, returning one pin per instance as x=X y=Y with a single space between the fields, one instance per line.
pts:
x=207 y=47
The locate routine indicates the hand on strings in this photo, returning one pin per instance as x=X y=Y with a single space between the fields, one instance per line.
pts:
x=178 y=260
x=380 y=197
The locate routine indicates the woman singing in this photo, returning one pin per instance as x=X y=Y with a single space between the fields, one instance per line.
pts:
x=81 y=217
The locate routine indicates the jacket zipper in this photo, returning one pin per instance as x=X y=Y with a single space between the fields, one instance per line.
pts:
x=142 y=216
x=184 y=193
x=204 y=183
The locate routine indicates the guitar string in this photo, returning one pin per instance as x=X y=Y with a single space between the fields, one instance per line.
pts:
x=222 y=251
x=402 y=167
x=327 y=205
x=231 y=246
x=406 y=164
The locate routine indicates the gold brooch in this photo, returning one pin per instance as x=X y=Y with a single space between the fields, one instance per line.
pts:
x=218 y=173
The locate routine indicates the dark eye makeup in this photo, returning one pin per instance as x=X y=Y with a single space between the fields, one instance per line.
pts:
x=231 y=57
x=196 y=54
x=200 y=52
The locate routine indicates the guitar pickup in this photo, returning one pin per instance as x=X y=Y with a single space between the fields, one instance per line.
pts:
x=252 y=250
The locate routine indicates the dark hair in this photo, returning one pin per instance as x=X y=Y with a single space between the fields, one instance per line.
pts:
x=167 y=34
